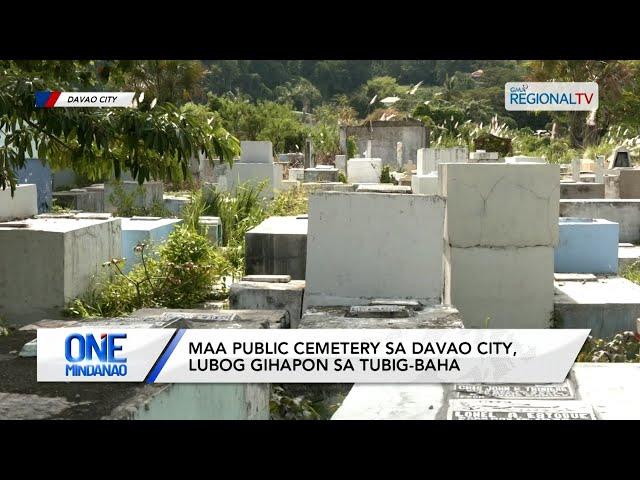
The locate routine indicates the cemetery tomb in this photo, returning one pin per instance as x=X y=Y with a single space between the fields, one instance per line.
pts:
x=622 y=183
x=425 y=184
x=35 y=172
x=151 y=231
x=214 y=228
x=259 y=292
x=143 y=196
x=581 y=190
x=624 y=212
x=628 y=254
x=320 y=174
x=354 y=256
x=506 y=217
x=23 y=204
x=364 y=170
x=278 y=246
x=256 y=152
x=341 y=162
x=586 y=246
x=296 y=174
x=254 y=167
x=430 y=158
x=606 y=305
x=47 y=262
x=175 y=204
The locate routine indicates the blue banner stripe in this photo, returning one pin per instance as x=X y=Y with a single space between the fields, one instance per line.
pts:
x=157 y=368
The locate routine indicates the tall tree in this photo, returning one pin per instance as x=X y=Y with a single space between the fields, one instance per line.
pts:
x=612 y=76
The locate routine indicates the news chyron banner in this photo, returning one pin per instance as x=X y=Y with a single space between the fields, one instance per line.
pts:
x=57 y=99
x=306 y=356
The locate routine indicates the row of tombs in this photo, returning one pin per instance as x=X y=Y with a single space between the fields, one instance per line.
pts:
x=494 y=246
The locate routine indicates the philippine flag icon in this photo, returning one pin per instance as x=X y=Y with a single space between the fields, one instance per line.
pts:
x=47 y=99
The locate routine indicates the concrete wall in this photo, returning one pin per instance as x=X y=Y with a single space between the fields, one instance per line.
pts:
x=51 y=262
x=358 y=242
x=35 y=172
x=384 y=138
x=587 y=246
x=501 y=227
x=278 y=246
x=23 y=204
x=624 y=212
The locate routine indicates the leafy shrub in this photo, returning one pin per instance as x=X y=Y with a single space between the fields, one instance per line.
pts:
x=289 y=202
x=183 y=274
x=385 y=176
x=352 y=147
x=342 y=177
x=125 y=204
x=622 y=348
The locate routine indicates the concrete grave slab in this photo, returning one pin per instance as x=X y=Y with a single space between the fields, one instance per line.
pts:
x=148 y=230
x=506 y=287
x=608 y=306
x=431 y=316
x=23 y=204
x=624 y=212
x=364 y=170
x=319 y=174
x=278 y=246
x=269 y=296
x=628 y=254
x=500 y=205
x=256 y=152
x=581 y=190
x=50 y=262
x=587 y=245
x=348 y=250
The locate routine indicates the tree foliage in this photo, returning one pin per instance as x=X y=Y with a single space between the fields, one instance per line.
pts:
x=150 y=141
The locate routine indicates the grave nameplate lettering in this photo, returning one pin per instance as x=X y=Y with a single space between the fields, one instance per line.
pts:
x=561 y=391
x=519 y=410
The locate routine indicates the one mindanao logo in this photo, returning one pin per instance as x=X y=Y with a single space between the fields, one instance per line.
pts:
x=47 y=99
x=90 y=357
x=551 y=96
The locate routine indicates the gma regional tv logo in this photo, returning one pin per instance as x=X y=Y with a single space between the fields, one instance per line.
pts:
x=551 y=96
x=88 y=356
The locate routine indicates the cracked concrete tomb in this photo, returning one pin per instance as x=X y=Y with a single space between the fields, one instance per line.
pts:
x=354 y=255
x=46 y=262
x=501 y=227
